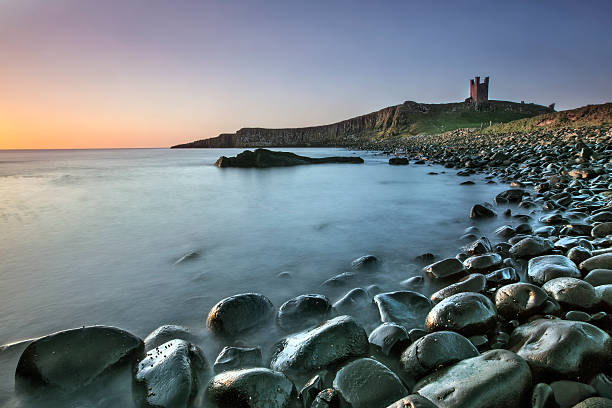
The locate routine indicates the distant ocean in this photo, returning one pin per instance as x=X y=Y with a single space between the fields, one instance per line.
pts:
x=144 y=237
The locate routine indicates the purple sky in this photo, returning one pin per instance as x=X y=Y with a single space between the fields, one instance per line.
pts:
x=87 y=73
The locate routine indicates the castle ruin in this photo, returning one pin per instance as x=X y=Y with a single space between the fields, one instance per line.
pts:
x=479 y=92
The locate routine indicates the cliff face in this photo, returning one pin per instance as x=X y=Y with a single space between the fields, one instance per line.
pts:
x=409 y=117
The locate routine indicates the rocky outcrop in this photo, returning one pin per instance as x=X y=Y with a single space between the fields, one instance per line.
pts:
x=408 y=117
x=262 y=158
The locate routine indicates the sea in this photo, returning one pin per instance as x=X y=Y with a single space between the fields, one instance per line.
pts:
x=138 y=238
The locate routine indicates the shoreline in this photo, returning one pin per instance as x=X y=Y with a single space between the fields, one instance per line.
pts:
x=568 y=185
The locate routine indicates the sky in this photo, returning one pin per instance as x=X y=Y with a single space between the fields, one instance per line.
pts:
x=153 y=73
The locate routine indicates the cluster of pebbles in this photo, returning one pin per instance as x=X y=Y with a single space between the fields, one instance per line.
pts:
x=522 y=318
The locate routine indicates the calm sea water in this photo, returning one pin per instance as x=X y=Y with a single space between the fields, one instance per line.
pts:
x=94 y=236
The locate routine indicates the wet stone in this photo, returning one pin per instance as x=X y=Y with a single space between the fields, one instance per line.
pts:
x=303 y=311
x=445 y=268
x=165 y=333
x=482 y=263
x=519 y=300
x=466 y=313
x=405 y=308
x=472 y=283
x=599 y=277
x=389 y=338
x=238 y=313
x=544 y=268
x=571 y=292
x=502 y=277
x=531 y=247
x=231 y=358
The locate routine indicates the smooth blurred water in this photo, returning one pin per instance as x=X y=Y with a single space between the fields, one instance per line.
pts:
x=93 y=236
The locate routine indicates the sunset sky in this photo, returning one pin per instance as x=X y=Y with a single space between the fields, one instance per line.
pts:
x=153 y=73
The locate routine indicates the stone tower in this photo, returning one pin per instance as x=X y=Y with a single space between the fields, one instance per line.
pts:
x=479 y=93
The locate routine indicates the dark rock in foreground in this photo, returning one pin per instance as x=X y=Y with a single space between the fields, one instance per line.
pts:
x=267 y=158
x=71 y=359
x=238 y=313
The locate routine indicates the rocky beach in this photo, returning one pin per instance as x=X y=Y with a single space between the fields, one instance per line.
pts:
x=519 y=318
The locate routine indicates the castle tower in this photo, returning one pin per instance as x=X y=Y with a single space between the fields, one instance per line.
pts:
x=479 y=92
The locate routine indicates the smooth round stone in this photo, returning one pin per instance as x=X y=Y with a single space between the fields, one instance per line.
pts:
x=71 y=359
x=303 y=311
x=604 y=295
x=249 y=388
x=479 y=247
x=164 y=334
x=505 y=232
x=530 y=247
x=434 y=351
x=171 y=375
x=389 y=337
x=595 y=402
x=542 y=396
x=602 y=384
x=466 y=313
x=364 y=262
x=405 y=308
x=366 y=383
x=562 y=349
x=479 y=211
x=541 y=269
x=415 y=283
x=311 y=350
x=482 y=263
x=519 y=300
x=603 y=261
x=569 y=393
x=502 y=277
x=238 y=313
x=495 y=379
x=445 y=268
x=577 y=316
x=232 y=358
x=339 y=280
x=353 y=303
x=544 y=231
x=601 y=230
x=514 y=195
x=475 y=282
x=599 y=277
x=578 y=254
x=571 y=292
x=413 y=401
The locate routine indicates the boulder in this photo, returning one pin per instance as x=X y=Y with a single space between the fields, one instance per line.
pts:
x=334 y=341
x=544 y=268
x=164 y=334
x=479 y=211
x=482 y=263
x=364 y=262
x=475 y=282
x=366 y=383
x=514 y=195
x=303 y=311
x=562 y=349
x=571 y=292
x=405 y=308
x=389 y=338
x=233 y=358
x=171 y=375
x=238 y=313
x=445 y=268
x=599 y=277
x=530 y=247
x=71 y=359
x=569 y=393
x=249 y=388
x=398 y=161
x=262 y=158
x=519 y=300
x=502 y=276
x=435 y=350
x=495 y=379
x=603 y=261
x=466 y=313
x=601 y=230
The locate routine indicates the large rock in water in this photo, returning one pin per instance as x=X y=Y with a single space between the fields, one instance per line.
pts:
x=466 y=313
x=71 y=359
x=237 y=313
x=405 y=308
x=249 y=388
x=544 y=268
x=366 y=383
x=434 y=351
x=335 y=340
x=562 y=349
x=303 y=311
x=519 y=300
x=495 y=379
x=268 y=158
x=172 y=374
x=165 y=333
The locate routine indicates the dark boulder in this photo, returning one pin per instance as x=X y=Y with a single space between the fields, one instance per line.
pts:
x=364 y=262
x=495 y=379
x=544 y=268
x=405 y=308
x=267 y=158
x=466 y=313
x=303 y=311
x=249 y=388
x=530 y=247
x=435 y=350
x=602 y=261
x=312 y=349
x=233 y=358
x=475 y=282
x=599 y=277
x=519 y=300
x=479 y=211
x=445 y=268
x=398 y=161
x=366 y=383
x=482 y=263
x=164 y=334
x=562 y=349
x=71 y=359
x=389 y=338
x=238 y=313
x=571 y=292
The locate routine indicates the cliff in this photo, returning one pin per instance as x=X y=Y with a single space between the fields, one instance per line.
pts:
x=409 y=118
